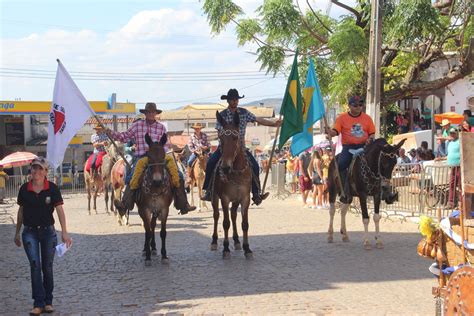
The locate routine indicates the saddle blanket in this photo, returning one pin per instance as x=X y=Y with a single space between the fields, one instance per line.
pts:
x=98 y=161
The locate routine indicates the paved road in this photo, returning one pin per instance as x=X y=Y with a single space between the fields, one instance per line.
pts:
x=294 y=269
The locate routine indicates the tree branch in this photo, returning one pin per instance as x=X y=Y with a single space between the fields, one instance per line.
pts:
x=308 y=27
x=317 y=17
x=348 y=8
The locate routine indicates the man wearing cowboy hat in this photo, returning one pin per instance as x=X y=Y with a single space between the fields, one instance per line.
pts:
x=198 y=144
x=137 y=132
x=245 y=117
x=99 y=140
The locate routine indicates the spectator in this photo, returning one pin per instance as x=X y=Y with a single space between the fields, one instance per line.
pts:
x=38 y=199
x=454 y=159
x=468 y=117
x=427 y=153
x=399 y=122
x=466 y=127
x=316 y=173
x=416 y=116
x=412 y=154
x=304 y=179
x=417 y=128
x=441 y=150
x=427 y=117
x=402 y=158
x=290 y=172
x=3 y=180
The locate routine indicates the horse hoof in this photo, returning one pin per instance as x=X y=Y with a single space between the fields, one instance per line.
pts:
x=330 y=239
x=213 y=247
x=379 y=245
x=345 y=238
x=147 y=263
x=249 y=255
x=367 y=245
x=237 y=246
x=226 y=255
x=165 y=260
x=153 y=252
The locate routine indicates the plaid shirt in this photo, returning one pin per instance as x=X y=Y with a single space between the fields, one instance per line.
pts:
x=245 y=117
x=196 y=143
x=137 y=133
x=98 y=138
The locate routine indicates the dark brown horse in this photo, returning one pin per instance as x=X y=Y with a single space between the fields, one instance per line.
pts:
x=369 y=175
x=233 y=181
x=155 y=198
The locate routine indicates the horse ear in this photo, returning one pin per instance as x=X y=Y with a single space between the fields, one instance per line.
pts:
x=399 y=145
x=148 y=140
x=220 y=119
x=163 y=139
x=236 y=119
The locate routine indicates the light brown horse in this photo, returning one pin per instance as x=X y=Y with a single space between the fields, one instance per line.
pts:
x=232 y=184
x=94 y=184
x=197 y=177
x=107 y=163
x=117 y=180
x=154 y=198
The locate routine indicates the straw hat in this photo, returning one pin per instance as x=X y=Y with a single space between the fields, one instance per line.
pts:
x=150 y=107
x=445 y=122
x=197 y=125
x=98 y=127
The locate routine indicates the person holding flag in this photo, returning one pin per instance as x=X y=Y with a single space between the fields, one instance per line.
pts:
x=356 y=129
x=245 y=117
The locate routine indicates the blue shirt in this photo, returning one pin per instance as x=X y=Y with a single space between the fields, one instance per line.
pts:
x=245 y=117
x=454 y=153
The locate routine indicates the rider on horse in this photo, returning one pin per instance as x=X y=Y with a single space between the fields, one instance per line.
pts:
x=245 y=117
x=198 y=144
x=99 y=140
x=137 y=132
x=356 y=129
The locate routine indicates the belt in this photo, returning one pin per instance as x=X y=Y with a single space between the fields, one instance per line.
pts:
x=39 y=227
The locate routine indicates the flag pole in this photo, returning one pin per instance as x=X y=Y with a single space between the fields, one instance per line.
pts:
x=103 y=126
x=338 y=176
x=277 y=134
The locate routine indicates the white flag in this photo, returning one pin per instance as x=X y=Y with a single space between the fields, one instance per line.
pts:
x=69 y=111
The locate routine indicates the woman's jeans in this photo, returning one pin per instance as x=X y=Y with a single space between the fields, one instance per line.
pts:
x=40 y=244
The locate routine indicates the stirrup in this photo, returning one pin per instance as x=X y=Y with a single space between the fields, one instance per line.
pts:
x=207 y=196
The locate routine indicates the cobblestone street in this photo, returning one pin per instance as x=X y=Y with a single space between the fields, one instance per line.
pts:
x=294 y=270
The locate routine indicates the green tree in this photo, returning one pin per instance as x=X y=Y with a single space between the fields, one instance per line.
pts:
x=416 y=34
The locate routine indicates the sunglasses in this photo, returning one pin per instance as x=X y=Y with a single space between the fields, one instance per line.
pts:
x=356 y=105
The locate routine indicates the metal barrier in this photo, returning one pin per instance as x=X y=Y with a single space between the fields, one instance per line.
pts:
x=423 y=188
x=68 y=183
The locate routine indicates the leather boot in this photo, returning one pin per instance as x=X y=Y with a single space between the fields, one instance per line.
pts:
x=345 y=198
x=258 y=199
x=207 y=196
x=127 y=202
x=181 y=200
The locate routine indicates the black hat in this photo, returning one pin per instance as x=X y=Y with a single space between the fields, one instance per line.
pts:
x=233 y=94
x=150 y=107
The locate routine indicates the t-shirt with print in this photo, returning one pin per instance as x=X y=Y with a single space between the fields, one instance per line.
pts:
x=355 y=130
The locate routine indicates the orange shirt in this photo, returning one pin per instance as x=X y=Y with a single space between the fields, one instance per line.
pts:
x=354 y=130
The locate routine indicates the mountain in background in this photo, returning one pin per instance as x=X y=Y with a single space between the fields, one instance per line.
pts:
x=271 y=102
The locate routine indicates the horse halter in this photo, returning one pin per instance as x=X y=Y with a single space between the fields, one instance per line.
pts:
x=234 y=133
x=378 y=177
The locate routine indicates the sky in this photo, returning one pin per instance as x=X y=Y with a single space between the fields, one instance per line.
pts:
x=142 y=50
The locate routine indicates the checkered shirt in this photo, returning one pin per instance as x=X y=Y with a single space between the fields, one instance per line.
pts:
x=245 y=117
x=137 y=133
x=196 y=143
x=98 y=138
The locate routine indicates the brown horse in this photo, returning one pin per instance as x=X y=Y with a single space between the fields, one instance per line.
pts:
x=232 y=184
x=154 y=198
x=107 y=163
x=118 y=183
x=94 y=184
x=369 y=175
x=197 y=177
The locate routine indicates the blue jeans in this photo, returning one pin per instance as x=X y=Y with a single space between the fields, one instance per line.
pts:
x=129 y=175
x=345 y=157
x=191 y=159
x=214 y=159
x=40 y=245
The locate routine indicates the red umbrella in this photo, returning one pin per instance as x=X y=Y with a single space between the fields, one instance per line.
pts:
x=18 y=159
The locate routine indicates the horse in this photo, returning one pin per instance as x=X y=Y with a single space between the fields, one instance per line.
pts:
x=197 y=177
x=107 y=163
x=154 y=198
x=94 y=184
x=118 y=183
x=232 y=184
x=368 y=175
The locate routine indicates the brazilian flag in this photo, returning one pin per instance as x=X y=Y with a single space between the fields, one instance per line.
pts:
x=292 y=106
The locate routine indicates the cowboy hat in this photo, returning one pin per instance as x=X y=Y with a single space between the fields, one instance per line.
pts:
x=445 y=122
x=98 y=127
x=197 y=125
x=150 y=106
x=232 y=94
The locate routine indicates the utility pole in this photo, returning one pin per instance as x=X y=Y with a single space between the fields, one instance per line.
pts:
x=374 y=84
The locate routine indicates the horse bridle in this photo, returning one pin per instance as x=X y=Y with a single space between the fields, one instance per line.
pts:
x=236 y=151
x=378 y=177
